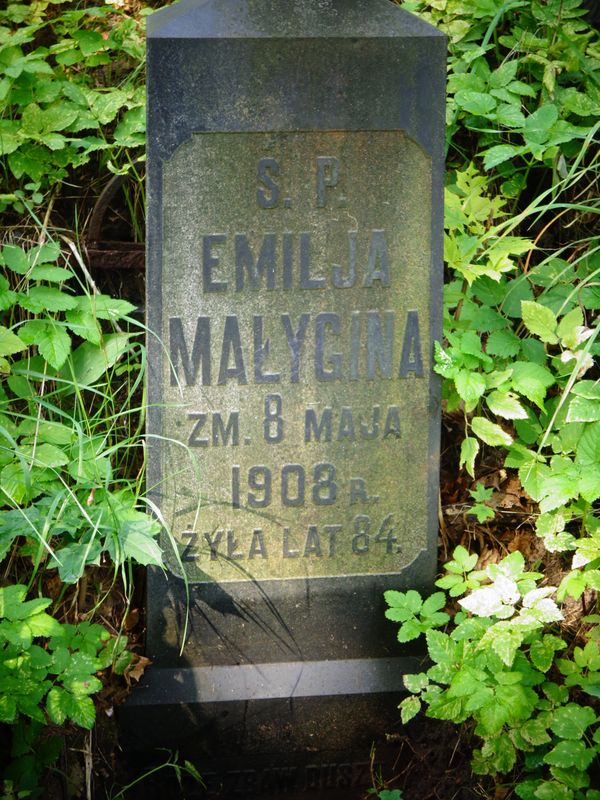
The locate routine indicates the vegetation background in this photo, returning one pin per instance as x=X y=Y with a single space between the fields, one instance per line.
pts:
x=513 y=634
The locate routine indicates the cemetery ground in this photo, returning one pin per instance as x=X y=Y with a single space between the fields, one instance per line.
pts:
x=509 y=705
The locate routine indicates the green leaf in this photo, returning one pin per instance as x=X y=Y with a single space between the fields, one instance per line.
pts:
x=499 y=154
x=53 y=341
x=490 y=433
x=506 y=405
x=58 y=704
x=583 y=410
x=470 y=387
x=537 y=126
x=50 y=273
x=88 y=363
x=409 y=708
x=571 y=721
x=540 y=320
x=15 y=258
x=43 y=625
x=571 y=754
x=10 y=343
x=567 y=328
x=47 y=298
x=532 y=381
x=469 y=449
x=475 y=102
x=503 y=343
x=552 y=790
x=534 y=731
x=81 y=710
x=44 y=455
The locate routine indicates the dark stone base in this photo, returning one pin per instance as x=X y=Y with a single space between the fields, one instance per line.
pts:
x=288 y=729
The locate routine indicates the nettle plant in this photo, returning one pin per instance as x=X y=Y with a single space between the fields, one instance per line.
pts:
x=501 y=667
x=71 y=89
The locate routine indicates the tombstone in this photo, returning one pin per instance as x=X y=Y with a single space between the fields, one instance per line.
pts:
x=294 y=293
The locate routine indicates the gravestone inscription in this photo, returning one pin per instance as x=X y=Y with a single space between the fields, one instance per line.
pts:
x=294 y=294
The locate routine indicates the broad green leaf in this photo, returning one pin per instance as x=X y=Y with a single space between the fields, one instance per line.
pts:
x=499 y=154
x=10 y=343
x=506 y=405
x=58 y=704
x=104 y=307
x=8 y=705
x=43 y=625
x=72 y=560
x=571 y=721
x=85 y=325
x=571 y=754
x=475 y=102
x=50 y=273
x=588 y=389
x=503 y=343
x=409 y=708
x=81 y=710
x=88 y=363
x=534 y=731
x=469 y=449
x=44 y=455
x=588 y=446
x=490 y=433
x=583 y=410
x=53 y=341
x=540 y=320
x=552 y=790
x=567 y=328
x=537 y=126
x=15 y=258
x=47 y=298
x=470 y=387
x=532 y=381
x=89 y=41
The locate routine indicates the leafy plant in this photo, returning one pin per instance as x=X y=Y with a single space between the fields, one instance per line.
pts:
x=70 y=90
x=499 y=666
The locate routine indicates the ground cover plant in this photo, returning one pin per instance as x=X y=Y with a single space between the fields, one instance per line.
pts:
x=514 y=634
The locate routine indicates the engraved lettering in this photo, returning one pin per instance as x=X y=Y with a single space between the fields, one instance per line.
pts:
x=380 y=346
x=194 y=439
x=244 y=262
x=178 y=351
x=232 y=345
x=261 y=352
x=295 y=341
x=411 y=360
x=378 y=266
x=323 y=322
x=266 y=168
x=222 y=433
x=328 y=175
x=209 y=261
x=257 y=545
x=188 y=553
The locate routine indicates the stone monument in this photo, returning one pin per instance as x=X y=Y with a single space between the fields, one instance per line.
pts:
x=294 y=267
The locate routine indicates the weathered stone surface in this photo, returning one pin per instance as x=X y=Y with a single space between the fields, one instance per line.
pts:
x=294 y=274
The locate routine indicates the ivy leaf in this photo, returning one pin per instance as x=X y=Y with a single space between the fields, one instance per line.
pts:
x=540 y=320
x=490 y=433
